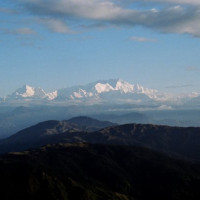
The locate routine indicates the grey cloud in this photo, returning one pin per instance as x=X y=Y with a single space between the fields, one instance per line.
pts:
x=87 y=9
x=174 y=19
x=19 y=31
x=8 y=10
x=56 y=25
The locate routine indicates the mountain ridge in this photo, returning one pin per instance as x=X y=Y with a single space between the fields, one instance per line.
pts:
x=51 y=131
x=176 y=141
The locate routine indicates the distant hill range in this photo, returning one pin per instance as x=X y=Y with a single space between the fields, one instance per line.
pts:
x=14 y=119
x=174 y=141
x=52 y=131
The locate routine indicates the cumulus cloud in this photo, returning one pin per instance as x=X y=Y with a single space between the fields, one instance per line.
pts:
x=142 y=39
x=174 y=19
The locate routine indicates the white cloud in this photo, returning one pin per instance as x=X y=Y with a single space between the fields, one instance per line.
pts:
x=165 y=107
x=142 y=39
x=175 y=19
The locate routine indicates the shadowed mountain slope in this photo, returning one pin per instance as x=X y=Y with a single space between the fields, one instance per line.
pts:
x=89 y=124
x=97 y=172
x=176 y=141
x=51 y=132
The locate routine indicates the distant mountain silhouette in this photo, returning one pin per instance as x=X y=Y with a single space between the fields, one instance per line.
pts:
x=51 y=132
x=175 y=141
x=90 y=124
x=97 y=172
x=132 y=117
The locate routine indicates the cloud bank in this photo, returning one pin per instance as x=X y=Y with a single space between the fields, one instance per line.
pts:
x=178 y=16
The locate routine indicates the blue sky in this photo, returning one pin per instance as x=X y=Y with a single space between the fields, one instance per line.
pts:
x=60 y=43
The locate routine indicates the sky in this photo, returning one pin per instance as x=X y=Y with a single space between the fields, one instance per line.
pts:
x=60 y=43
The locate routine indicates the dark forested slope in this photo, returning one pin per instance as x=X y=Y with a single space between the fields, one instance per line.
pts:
x=97 y=172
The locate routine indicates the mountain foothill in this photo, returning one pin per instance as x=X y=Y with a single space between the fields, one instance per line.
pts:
x=84 y=158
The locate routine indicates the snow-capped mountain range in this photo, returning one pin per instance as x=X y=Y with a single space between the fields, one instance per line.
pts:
x=110 y=91
x=104 y=90
x=28 y=92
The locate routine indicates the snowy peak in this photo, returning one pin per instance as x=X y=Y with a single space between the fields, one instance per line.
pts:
x=124 y=86
x=100 y=87
x=106 y=91
x=52 y=95
x=29 y=92
x=81 y=93
x=25 y=91
x=39 y=92
x=113 y=90
x=149 y=92
x=114 y=85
